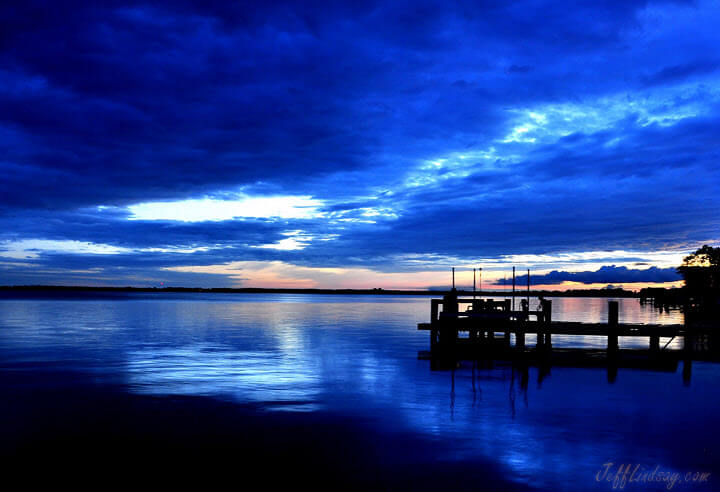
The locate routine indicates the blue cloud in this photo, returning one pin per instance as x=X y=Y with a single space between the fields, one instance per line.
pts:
x=605 y=275
x=459 y=130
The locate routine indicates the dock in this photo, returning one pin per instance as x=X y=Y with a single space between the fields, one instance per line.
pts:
x=490 y=330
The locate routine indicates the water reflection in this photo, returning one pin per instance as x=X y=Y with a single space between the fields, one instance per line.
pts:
x=278 y=380
x=550 y=428
x=558 y=432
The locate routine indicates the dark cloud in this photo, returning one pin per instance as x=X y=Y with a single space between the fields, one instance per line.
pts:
x=683 y=71
x=519 y=69
x=129 y=100
x=605 y=275
x=116 y=230
x=115 y=103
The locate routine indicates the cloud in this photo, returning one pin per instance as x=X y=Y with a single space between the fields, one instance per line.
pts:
x=605 y=275
x=201 y=133
x=207 y=209
x=679 y=72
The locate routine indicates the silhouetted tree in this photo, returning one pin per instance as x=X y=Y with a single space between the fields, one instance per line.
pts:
x=707 y=256
x=701 y=271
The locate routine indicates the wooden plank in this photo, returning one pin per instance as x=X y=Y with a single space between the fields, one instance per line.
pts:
x=559 y=327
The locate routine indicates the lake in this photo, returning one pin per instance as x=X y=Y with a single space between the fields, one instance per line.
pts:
x=329 y=389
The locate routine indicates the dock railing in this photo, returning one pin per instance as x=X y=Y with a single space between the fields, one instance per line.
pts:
x=482 y=318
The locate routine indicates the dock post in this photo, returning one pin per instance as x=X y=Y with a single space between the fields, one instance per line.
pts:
x=506 y=327
x=520 y=331
x=450 y=302
x=688 y=341
x=688 y=347
x=433 y=339
x=540 y=324
x=434 y=322
x=654 y=343
x=547 y=315
x=612 y=344
x=513 y=291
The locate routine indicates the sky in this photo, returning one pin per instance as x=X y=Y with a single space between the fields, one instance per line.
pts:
x=358 y=144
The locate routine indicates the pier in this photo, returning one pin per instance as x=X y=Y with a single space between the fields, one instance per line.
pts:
x=490 y=330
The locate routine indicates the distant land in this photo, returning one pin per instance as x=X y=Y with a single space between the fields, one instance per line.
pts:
x=377 y=291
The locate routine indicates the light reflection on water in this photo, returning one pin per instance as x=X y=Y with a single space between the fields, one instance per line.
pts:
x=358 y=356
x=208 y=370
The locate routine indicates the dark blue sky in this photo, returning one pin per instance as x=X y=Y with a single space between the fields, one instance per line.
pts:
x=366 y=144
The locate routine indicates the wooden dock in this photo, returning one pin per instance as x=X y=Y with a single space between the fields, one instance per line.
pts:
x=485 y=329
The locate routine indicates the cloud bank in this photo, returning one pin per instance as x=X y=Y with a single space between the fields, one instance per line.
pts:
x=142 y=136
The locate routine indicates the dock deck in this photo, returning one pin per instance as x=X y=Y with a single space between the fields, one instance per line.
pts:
x=496 y=332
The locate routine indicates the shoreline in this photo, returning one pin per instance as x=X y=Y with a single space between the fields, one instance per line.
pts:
x=375 y=292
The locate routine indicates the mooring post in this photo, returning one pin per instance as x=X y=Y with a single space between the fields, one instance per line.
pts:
x=479 y=308
x=433 y=339
x=506 y=323
x=434 y=322
x=688 y=342
x=446 y=330
x=520 y=331
x=473 y=284
x=528 y=286
x=547 y=314
x=513 y=291
x=688 y=347
x=540 y=325
x=654 y=343
x=450 y=302
x=612 y=343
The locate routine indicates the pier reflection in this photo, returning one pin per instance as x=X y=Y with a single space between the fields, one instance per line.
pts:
x=519 y=374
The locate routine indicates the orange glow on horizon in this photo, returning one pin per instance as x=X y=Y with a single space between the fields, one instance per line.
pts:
x=276 y=274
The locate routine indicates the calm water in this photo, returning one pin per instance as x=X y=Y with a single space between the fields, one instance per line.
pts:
x=356 y=357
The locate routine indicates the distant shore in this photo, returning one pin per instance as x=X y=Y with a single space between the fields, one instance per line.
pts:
x=376 y=291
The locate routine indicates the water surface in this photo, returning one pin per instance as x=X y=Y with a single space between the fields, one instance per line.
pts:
x=355 y=358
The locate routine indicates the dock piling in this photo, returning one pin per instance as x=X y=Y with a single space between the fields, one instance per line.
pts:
x=688 y=340
x=508 y=317
x=654 y=343
x=513 y=290
x=547 y=315
x=613 y=323
x=520 y=332
x=434 y=304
